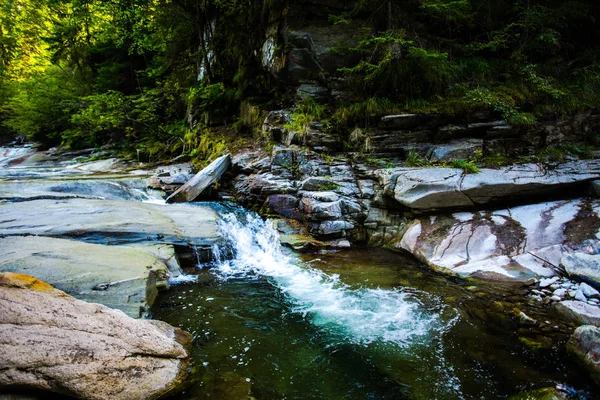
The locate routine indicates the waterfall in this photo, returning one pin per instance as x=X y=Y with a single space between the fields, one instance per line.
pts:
x=359 y=316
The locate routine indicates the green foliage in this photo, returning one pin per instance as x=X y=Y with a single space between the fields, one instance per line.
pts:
x=414 y=159
x=468 y=166
x=40 y=107
x=307 y=111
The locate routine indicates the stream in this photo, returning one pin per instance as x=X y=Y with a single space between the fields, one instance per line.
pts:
x=360 y=323
x=356 y=324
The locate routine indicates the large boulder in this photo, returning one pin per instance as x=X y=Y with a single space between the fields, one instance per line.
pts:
x=50 y=341
x=579 y=312
x=585 y=344
x=510 y=244
x=437 y=188
x=121 y=277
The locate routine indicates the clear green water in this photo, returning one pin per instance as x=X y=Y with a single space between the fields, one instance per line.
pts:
x=326 y=330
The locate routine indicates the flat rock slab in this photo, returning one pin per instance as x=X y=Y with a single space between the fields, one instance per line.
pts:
x=439 y=188
x=120 y=277
x=508 y=244
x=112 y=221
x=50 y=341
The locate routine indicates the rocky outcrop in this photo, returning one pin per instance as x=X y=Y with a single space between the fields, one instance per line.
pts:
x=439 y=188
x=121 y=277
x=585 y=345
x=114 y=222
x=201 y=181
x=517 y=243
x=50 y=341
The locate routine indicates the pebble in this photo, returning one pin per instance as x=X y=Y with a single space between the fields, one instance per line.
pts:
x=537 y=297
x=554 y=286
x=593 y=301
x=588 y=291
x=580 y=296
x=572 y=293
x=560 y=292
x=548 y=281
x=535 y=291
x=556 y=298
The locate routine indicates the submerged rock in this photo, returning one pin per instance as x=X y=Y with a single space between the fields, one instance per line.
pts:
x=579 y=312
x=585 y=344
x=50 y=341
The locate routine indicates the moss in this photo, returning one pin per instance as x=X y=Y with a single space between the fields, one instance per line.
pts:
x=24 y=281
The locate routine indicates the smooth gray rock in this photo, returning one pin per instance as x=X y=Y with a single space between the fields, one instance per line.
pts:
x=436 y=188
x=120 y=277
x=202 y=180
x=335 y=227
x=114 y=222
x=320 y=210
x=513 y=244
x=285 y=205
x=588 y=291
x=579 y=312
x=458 y=149
x=583 y=266
x=50 y=341
x=585 y=344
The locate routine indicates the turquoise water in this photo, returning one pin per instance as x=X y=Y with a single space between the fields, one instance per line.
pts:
x=357 y=324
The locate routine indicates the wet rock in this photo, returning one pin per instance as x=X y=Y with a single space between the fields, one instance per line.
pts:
x=285 y=205
x=560 y=293
x=321 y=196
x=50 y=341
x=583 y=266
x=518 y=243
x=541 y=394
x=579 y=312
x=526 y=320
x=335 y=227
x=114 y=222
x=585 y=345
x=120 y=277
x=201 y=181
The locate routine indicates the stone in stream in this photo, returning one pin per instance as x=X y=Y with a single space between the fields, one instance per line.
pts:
x=585 y=345
x=583 y=266
x=579 y=312
x=50 y=341
x=511 y=244
x=114 y=222
x=121 y=277
x=202 y=180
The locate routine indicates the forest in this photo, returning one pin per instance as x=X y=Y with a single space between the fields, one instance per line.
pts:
x=156 y=79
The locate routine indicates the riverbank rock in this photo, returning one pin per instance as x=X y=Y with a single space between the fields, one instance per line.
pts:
x=579 y=312
x=120 y=277
x=113 y=221
x=202 y=180
x=585 y=345
x=515 y=243
x=442 y=188
x=50 y=341
x=583 y=266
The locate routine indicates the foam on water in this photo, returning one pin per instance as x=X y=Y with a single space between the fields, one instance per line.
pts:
x=360 y=316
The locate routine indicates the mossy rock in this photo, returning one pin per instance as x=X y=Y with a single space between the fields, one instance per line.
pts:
x=541 y=394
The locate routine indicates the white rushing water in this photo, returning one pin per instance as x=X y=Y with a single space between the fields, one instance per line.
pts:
x=360 y=316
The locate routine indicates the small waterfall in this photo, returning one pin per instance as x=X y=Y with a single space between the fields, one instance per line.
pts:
x=346 y=315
